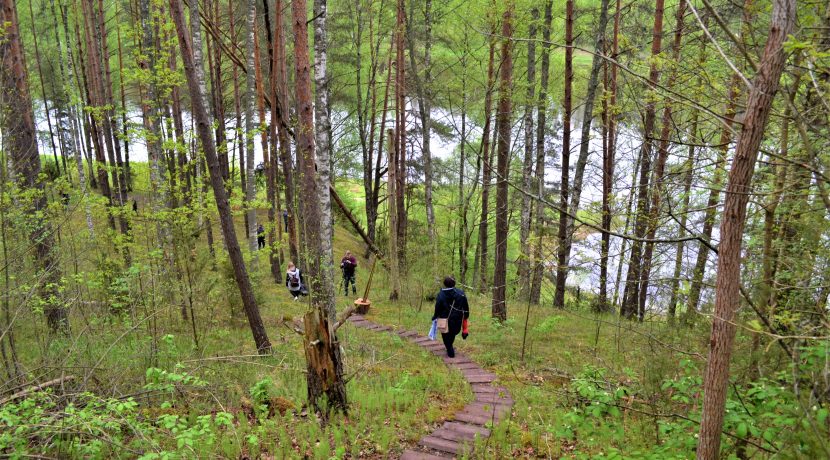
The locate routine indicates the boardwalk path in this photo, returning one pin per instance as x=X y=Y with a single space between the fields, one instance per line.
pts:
x=454 y=438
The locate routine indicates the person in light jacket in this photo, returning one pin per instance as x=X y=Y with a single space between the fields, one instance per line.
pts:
x=451 y=303
x=294 y=281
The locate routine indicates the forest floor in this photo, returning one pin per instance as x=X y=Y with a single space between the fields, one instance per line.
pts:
x=583 y=384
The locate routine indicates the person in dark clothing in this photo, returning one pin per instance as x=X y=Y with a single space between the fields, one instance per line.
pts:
x=348 y=264
x=451 y=303
x=260 y=236
x=285 y=219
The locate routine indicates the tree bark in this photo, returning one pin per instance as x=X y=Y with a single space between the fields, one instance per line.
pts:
x=562 y=254
x=250 y=127
x=19 y=141
x=400 y=131
x=523 y=263
x=538 y=265
x=499 y=306
x=487 y=166
x=201 y=118
x=609 y=153
x=660 y=167
x=323 y=150
x=279 y=89
x=727 y=295
x=391 y=193
x=584 y=141
x=322 y=349
x=631 y=294
x=422 y=91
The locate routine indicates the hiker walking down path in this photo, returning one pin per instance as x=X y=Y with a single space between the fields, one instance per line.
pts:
x=451 y=305
x=348 y=263
x=260 y=236
x=294 y=281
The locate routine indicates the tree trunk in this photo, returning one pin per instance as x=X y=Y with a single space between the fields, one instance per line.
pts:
x=391 y=193
x=323 y=148
x=270 y=185
x=727 y=297
x=487 y=173
x=609 y=152
x=201 y=118
x=422 y=90
x=400 y=131
x=659 y=168
x=499 y=306
x=19 y=141
x=43 y=93
x=72 y=132
x=279 y=90
x=562 y=254
x=250 y=127
x=584 y=141
x=523 y=283
x=541 y=114
x=324 y=363
x=631 y=294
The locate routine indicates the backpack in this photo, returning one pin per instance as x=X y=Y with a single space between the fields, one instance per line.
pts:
x=294 y=279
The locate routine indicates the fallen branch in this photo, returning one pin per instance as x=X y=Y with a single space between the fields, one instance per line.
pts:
x=32 y=389
x=344 y=316
x=355 y=223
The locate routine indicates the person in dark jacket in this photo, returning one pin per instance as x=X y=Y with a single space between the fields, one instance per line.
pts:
x=260 y=236
x=348 y=264
x=451 y=303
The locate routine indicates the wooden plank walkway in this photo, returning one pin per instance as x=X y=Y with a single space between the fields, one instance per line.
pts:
x=491 y=405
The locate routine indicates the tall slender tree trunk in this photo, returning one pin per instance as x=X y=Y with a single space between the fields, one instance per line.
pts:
x=322 y=349
x=71 y=133
x=19 y=141
x=562 y=253
x=609 y=152
x=631 y=294
x=585 y=138
x=523 y=263
x=422 y=91
x=149 y=109
x=727 y=287
x=487 y=166
x=250 y=126
x=323 y=150
x=538 y=264
x=499 y=306
x=270 y=185
x=201 y=118
x=43 y=93
x=400 y=131
x=710 y=214
x=659 y=168
x=280 y=91
x=392 y=209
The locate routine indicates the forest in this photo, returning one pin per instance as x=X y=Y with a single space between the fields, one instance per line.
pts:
x=621 y=207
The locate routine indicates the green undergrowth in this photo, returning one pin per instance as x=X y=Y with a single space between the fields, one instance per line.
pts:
x=594 y=387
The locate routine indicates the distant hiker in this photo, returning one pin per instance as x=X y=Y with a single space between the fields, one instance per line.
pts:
x=348 y=264
x=65 y=199
x=285 y=219
x=450 y=305
x=260 y=236
x=294 y=281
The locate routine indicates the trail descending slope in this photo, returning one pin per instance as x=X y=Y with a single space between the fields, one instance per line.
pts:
x=454 y=438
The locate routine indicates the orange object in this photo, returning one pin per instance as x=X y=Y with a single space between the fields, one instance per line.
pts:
x=465 y=327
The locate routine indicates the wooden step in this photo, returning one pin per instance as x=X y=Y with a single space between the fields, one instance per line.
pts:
x=471 y=430
x=443 y=445
x=410 y=454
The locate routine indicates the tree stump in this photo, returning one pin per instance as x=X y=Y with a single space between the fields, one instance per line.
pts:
x=322 y=355
x=362 y=306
